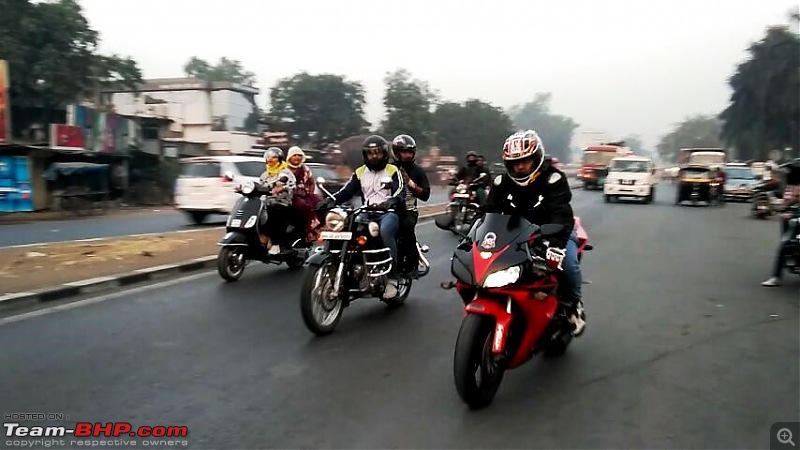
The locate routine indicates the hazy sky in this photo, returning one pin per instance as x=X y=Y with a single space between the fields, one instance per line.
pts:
x=623 y=67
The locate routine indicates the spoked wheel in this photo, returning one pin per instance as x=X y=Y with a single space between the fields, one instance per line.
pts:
x=231 y=263
x=476 y=371
x=321 y=310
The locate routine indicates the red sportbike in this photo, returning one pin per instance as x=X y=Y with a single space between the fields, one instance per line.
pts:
x=512 y=304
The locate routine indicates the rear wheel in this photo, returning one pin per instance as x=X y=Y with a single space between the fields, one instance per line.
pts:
x=476 y=372
x=198 y=217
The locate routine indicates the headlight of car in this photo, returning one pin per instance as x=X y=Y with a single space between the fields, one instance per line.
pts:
x=248 y=186
x=335 y=220
x=502 y=277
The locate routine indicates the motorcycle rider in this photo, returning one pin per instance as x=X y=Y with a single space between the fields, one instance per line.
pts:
x=541 y=194
x=278 y=204
x=366 y=180
x=471 y=172
x=791 y=196
x=404 y=154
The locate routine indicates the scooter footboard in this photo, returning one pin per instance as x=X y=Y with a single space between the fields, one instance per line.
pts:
x=502 y=320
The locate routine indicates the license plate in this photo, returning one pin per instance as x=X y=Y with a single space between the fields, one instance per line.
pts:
x=627 y=182
x=461 y=195
x=336 y=236
x=236 y=222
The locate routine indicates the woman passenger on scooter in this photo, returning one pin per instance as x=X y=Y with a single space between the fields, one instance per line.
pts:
x=305 y=199
x=279 y=203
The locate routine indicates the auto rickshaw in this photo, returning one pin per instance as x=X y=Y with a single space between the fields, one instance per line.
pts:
x=697 y=183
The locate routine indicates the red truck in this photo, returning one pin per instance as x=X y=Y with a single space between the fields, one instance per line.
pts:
x=595 y=160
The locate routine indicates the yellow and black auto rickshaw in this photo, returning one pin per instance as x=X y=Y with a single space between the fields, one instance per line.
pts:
x=698 y=183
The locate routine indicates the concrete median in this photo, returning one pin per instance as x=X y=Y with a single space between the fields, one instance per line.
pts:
x=48 y=272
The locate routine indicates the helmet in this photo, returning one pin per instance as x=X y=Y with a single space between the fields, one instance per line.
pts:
x=472 y=158
x=404 y=142
x=371 y=143
x=524 y=145
x=273 y=152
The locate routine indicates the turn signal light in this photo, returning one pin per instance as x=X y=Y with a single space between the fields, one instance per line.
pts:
x=361 y=240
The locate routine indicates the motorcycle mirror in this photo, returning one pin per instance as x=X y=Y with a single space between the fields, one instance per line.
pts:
x=283 y=179
x=497 y=180
x=443 y=221
x=321 y=180
x=551 y=229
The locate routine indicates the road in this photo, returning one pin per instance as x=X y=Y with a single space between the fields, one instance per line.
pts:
x=683 y=349
x=153 y=221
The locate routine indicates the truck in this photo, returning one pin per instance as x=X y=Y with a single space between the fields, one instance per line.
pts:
x=595 y=160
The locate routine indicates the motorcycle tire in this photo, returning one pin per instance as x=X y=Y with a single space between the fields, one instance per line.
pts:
x=308 y=300
x=473 y=349
x=224 y=264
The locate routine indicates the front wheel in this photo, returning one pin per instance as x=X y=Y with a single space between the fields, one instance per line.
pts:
x=477 y=374
x=231 y=263
x=321 y=310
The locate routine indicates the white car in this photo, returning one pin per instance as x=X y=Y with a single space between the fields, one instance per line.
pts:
x=206 y=183
x=631 y=176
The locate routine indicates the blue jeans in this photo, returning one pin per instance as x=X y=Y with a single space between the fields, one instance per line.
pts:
x=389 y=224
x=572 y=270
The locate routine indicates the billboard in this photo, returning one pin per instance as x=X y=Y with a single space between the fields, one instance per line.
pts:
x=66 y=137
x=103 y=131
x=5 y=106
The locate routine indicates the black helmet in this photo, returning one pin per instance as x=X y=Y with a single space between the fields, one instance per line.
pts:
x=472 y=158
x=404 y=142
x=371 y=143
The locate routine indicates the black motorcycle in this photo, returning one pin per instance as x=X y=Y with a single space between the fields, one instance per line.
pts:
x=763 y=200
x=352 y=263
x=245 y=240
x=463 y=204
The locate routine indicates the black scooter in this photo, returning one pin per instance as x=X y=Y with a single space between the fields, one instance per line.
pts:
x=244 y=240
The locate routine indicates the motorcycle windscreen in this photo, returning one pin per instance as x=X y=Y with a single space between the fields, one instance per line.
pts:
x=490 y=236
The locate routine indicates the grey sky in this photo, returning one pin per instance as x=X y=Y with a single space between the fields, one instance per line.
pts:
x=624 y=67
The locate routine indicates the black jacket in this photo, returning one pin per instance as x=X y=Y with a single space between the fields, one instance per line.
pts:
x=545 y=200
x=470 y=173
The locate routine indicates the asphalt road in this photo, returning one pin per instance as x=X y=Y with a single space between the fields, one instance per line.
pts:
x=154 y=221
x=683 y=349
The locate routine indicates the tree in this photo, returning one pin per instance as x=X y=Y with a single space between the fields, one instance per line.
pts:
x=319 y=108
x=555 y=130
x=475 y=126
x=408 y=105
x=696 y=131
x=54 y=68
x=229 y=70
x=763 y=113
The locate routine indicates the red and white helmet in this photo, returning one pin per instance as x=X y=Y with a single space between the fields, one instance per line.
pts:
x=519 y=146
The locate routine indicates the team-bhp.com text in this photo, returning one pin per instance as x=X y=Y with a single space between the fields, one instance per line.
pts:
x=87 y=429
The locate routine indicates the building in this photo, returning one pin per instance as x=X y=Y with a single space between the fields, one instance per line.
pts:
x=207 y=117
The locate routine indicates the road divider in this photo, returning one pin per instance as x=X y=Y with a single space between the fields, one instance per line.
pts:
x=57 y=271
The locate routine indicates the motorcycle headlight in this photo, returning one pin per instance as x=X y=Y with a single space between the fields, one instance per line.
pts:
x=461 y=189
x=502 y=277
x=335 y=220
x=248 y=186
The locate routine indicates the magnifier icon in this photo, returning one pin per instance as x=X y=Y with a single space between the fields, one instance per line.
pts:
x=785 y=436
